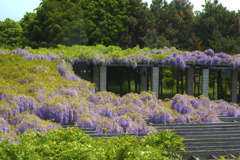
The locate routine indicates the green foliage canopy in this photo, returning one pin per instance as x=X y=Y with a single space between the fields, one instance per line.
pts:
x=126 y=23
x=56 y=22
x=72 y=143
x=10 y=33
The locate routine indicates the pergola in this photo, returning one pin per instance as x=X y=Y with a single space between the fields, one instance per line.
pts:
x=99 y=77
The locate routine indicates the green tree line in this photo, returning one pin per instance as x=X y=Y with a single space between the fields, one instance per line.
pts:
x=125 y=23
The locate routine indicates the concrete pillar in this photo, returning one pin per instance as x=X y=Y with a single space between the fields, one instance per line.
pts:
x=234 y=84
x=205 y=82
x=103 y=78
x=189 y=81
x=155 y=81
x=96 y=77
x=144 y=79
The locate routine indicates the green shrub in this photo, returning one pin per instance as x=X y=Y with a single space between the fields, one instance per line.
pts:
x=72 y=143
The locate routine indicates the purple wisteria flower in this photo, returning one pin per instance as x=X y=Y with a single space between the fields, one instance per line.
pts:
x=26 y=121
x=4 y=126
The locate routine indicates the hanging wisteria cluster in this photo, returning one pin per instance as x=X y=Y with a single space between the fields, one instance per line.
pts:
x=40 y=95
x=27 y=121
x=4 y=126
x=48 y=57
x=207 y=59
x=101 y=55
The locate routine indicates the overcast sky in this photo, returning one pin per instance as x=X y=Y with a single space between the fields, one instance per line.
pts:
x=15 y=9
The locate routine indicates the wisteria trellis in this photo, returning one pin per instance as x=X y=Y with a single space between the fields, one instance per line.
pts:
x=71 y=100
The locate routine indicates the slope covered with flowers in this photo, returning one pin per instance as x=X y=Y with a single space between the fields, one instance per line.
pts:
x=41 y=93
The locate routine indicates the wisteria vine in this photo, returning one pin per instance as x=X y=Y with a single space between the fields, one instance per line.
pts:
x=43 y=92
x=101 y=55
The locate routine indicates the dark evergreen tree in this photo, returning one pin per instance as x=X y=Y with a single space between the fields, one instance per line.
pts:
x=137 y=23
x=172 y=22
x=218 y=28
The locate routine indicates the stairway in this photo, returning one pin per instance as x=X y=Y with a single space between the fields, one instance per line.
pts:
x=204 y=141
x=207 y=141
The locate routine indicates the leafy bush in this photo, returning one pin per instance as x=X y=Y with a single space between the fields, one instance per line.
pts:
x=72 y=143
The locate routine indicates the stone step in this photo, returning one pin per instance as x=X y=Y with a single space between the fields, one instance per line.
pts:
x=222 y=118
x=229 y=119
x=211 y=136
x=212 y=157
x=210 y=140
x=219 y=116
x=198 y=130
x=205 y=154
x=200 y=140
x=88 y=129
x=207 y=132
x=187 y=134
x=193 y=124
x=212 y=147
x=90 y=132
x=232 y=125
x=213 y=143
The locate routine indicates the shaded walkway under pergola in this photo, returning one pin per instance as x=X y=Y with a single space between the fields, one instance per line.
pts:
x=194 y=80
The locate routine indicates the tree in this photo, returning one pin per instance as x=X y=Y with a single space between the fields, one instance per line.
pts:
x=10 y=34
x=153 y=40
x=104 y=20
x=137 y=23
x=174 y=21
x=26 y=22
x=183 y=22
x=57 y=22
x=217 y=27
